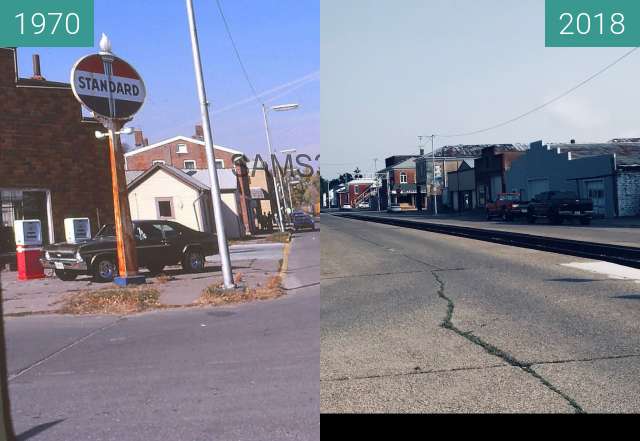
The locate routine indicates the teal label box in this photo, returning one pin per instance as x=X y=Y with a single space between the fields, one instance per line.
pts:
x=592 y=23
x=46 y=23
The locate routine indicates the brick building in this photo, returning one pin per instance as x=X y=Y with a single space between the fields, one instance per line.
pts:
x=188 y=153
x=399 y=184
x=51 y=164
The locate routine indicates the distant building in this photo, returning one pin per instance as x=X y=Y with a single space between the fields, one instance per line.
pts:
x=399 y=184
x=490 y=169
x=606 y=173
x=51 y=165
x=461 y=187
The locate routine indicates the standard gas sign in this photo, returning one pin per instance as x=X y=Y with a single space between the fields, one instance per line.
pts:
x=108 y=86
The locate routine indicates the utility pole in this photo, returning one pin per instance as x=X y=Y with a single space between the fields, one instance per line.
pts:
x=6 y=427
x=211 y=162
x=433 y=179
x=273 y=172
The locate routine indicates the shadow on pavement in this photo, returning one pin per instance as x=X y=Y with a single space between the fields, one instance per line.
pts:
x=36 y=430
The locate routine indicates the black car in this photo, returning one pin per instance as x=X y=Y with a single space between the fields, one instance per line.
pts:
x=158 y=243
x=301 y=220
x=557 y=206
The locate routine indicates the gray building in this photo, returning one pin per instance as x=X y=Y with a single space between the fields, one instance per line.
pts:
x=606 y=173
x=461 y=187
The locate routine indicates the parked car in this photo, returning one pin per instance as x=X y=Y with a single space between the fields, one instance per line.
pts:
x=364 y=205
x=346 y=207
x=158 y=243
x=507 y=206
x=558 y=206
x=302 y=221
x=394 y=208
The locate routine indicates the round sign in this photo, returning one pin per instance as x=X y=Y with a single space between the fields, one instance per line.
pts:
x=108 y=86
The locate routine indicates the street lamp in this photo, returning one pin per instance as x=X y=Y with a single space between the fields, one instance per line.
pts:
x=265 y=110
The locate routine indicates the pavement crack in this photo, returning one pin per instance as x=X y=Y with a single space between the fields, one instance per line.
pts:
x=584 y=360
x=447 y=323
x=37 y=363
x=416 y=371
x=350 y=276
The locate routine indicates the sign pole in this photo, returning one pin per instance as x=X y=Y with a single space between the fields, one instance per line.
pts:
x=126 y=246
x=113 y=90
x=223 y=246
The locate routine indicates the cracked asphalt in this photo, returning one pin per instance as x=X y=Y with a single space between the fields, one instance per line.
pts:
x=413 y=321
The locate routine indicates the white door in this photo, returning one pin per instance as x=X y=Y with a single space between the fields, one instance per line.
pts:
x=595 y=192
x=537 y=186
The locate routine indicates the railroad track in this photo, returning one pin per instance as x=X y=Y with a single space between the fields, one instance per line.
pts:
x=622 y=255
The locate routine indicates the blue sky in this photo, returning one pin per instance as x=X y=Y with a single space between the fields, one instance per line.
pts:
x=393 y=70
x=279 y=43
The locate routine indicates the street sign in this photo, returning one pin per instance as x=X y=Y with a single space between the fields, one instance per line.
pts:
x=108 y=86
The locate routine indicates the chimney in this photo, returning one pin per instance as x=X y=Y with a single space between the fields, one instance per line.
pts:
x=146 y=142
x=139 y=139
x=421 y=152
x=199 y=132
x=36 y=68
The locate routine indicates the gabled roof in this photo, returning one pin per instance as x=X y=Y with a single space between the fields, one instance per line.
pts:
x=198 y=182
x=407 y=163
x=179 y=138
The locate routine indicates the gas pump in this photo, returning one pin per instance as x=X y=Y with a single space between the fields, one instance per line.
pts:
x=77 y=229
x=28 y=235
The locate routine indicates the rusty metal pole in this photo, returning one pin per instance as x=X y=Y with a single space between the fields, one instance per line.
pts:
x=6 y=426
x=126 y=245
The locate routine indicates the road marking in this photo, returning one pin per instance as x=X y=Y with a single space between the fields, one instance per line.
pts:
x=612 y=270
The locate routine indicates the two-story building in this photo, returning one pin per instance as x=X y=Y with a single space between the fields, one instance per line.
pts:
x=399 y=184
x=51 y=165
x=490 y=170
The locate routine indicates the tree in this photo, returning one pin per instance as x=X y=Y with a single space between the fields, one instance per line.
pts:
x=307 y=193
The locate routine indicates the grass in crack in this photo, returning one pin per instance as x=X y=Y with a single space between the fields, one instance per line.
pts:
x=112 y=301
x=216 y=295
x=447 y=323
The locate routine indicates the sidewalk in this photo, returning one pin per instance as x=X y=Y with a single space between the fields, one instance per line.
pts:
x=254 y=262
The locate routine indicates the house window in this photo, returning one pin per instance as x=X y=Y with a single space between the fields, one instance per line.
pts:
x=219 y=163
x=190 y=165
x=157 y=161
x=182 y=148
x=356 y=189
x=164 y=208
x=403 y=178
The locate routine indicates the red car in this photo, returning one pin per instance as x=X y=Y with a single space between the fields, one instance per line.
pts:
x=507 y=207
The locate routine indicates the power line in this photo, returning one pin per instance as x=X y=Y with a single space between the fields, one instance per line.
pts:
x=545 y=104
x=235 y=49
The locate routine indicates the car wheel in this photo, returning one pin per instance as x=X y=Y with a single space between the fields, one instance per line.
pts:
x=585 y=220
x=66 y=276
x=488 y=215
x=555 y=219
x=104 y=269
x=531 y=219
x=193 y=261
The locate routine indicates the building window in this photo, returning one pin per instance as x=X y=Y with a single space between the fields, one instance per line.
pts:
x=182 y=148
x=219 y=163
x=403 y=178
x=356 y=189
x=164 y=208
x=190 y=165
x=157 y=161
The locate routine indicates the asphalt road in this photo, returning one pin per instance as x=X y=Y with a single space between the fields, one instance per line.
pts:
x=621 y=233
x=413 y=321
x=234 y=373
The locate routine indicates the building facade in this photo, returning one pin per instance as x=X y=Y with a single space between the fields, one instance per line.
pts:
x=51 y=165
x=490 y=171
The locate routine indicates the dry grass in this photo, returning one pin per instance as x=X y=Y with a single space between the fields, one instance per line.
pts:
x=279 y=237
x=112 y=301
x=215 y=295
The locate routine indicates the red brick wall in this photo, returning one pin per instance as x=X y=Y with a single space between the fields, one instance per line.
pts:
x=352 y=192
x=44 y=144
x=411 y=175
x=168 y=154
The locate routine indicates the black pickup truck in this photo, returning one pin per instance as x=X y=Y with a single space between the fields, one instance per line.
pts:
x=158 y=243
x=556 y=206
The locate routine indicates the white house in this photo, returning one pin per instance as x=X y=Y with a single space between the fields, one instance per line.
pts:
x=165 y=192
